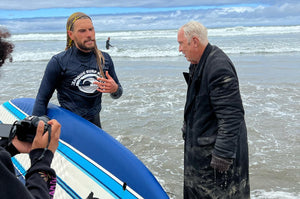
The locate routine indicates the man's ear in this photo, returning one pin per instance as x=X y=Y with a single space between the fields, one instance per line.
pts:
x=196 y=41
x=70 y=33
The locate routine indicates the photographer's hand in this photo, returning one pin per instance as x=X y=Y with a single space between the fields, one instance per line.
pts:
x=22 y=147
x=41 y=140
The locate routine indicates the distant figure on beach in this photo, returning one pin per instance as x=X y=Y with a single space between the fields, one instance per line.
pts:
x=80 y=74
x=107 y=43
x=216 y=161
x=40 y=178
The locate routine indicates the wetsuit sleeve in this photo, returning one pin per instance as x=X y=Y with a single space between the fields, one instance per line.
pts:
x=47 y=87
x=40 y=178
x=227 y=105
x=113 y=74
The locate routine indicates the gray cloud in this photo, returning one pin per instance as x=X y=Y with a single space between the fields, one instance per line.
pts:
x=279 y=14
x=38 y=4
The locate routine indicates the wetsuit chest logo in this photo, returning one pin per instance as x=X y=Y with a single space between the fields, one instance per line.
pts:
x=84 y=81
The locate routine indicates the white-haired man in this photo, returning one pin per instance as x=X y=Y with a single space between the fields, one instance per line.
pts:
x=214 y=129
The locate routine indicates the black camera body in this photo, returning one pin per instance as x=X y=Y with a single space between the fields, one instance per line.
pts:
x=26 y=129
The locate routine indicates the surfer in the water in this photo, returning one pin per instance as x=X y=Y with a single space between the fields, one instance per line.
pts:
x=215 y=151
x=108 y=43
x=40 y=178
x=80 y=74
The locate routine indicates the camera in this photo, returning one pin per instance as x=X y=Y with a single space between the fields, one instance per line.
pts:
x=26 y=129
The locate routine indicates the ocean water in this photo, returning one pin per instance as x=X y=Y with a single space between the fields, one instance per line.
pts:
x=148 y=117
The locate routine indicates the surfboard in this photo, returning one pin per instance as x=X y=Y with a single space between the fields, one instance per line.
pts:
x=87 y=159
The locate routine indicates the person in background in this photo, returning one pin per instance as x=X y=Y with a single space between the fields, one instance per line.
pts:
x=80 y=74
x=108 y=44
x=216 y=161
x=40 y=178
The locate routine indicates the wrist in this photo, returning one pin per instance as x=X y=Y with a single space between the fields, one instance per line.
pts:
x=118 y=93
x=116 y=88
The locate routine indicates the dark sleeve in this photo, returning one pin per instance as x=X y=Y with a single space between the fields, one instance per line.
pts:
x=113 y=74
x=12 y=149
x=8 y=146
x=40 y=178
x=227 y=106
x=11 y=187
x=47 y=87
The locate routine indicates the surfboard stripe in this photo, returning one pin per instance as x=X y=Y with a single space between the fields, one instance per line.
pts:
x=7 y=116
x=19 y=173
x=15 y=110
x=95 y=171
x=67 y=188
x=73 y=158
x=18 y=166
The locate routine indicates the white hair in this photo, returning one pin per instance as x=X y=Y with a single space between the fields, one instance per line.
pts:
x=195 y=29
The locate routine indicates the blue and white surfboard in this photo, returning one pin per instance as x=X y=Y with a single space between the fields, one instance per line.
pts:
x=87 y=159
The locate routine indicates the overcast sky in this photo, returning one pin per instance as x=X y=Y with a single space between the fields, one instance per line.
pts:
x=21 y=16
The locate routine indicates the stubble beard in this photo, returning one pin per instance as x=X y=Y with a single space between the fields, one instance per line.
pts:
x=84 y=47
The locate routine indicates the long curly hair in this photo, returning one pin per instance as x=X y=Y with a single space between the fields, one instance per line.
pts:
x=6 y=48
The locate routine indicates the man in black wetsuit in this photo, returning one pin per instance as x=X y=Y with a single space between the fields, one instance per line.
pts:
x=80 y=74
x=108 y=44
x=40 y=178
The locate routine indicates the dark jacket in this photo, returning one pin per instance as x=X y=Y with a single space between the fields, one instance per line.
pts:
x=71 y=73
x=40 y=179
x=214 y=119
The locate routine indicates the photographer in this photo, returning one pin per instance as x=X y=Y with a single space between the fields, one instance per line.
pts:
x=40 y=178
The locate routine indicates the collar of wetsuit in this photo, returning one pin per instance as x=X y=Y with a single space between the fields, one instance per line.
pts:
x=83 y=55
